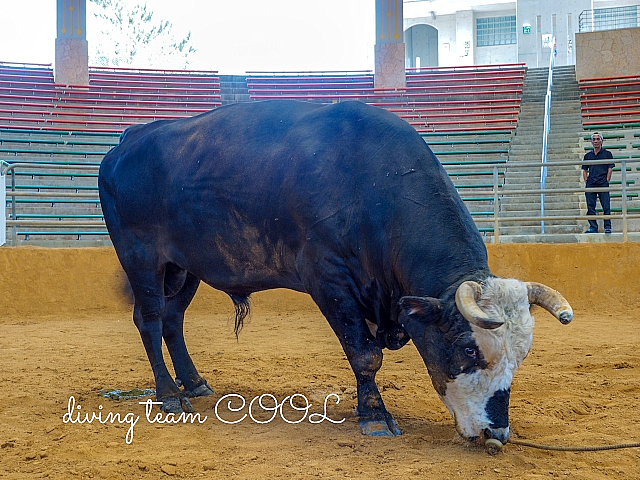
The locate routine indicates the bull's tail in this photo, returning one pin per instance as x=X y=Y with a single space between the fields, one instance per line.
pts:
x=243 y=308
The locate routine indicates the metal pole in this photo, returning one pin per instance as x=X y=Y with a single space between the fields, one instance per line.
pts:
x=545 y=133
x=624 y=200
x=14 y=229
x=496 y=209
x=542 y=187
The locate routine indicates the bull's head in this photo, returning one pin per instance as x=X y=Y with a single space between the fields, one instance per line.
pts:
x=474 y=342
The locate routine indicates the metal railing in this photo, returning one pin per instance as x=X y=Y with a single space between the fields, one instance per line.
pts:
x=546 y=129
x=612 y=18
x=73 y=226
x=499 y=219
x=495 y=218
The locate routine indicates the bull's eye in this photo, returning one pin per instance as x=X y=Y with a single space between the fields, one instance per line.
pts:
x=471 y=353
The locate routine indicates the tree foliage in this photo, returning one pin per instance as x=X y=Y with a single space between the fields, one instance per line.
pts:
x=128 y=35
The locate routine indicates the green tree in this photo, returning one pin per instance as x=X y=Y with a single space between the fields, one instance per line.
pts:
x=128 y=35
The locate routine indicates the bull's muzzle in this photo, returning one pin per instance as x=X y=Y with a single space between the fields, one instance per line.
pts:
x=500 y=434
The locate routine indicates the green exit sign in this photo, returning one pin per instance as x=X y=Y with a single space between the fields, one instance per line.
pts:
x=526 y=29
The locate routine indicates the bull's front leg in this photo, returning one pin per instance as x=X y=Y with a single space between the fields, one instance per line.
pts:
x=365 y=357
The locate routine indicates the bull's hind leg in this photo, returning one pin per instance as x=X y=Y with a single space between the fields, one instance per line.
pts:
x=150 y=327
x=172 y=332
x=147 y=280
x=364 y=355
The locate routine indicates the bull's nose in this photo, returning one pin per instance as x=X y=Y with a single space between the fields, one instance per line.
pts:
x=500 y=434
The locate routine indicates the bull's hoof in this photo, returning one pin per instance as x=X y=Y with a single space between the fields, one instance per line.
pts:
x=203 y=390
x=177 y=405
x=379 y=427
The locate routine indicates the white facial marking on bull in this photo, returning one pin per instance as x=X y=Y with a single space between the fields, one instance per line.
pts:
x=503 y=348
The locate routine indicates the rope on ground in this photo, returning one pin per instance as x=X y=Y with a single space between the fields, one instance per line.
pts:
x=575 y=449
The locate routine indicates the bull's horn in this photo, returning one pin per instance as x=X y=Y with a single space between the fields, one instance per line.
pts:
x=550 y=300
x=466 y=301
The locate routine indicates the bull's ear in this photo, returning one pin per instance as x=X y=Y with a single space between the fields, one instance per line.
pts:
x=417 y=313
x=421 y=306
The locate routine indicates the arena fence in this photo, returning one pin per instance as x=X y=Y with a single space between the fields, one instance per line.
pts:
x=625 y=190
x=21 y=228
x=62 y=225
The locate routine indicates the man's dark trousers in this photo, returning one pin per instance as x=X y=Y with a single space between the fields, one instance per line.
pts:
x=605 y=201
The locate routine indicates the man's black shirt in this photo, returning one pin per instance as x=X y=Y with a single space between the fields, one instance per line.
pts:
x=598 y=173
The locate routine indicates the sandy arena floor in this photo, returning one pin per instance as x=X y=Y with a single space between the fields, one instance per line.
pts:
x=66 y=332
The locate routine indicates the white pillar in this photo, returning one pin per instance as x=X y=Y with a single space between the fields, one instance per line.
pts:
x=464 y=37
x=390 y=48
x=71 y=65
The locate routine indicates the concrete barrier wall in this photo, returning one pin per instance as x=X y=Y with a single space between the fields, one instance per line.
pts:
x=609 y=53
x=74 y=281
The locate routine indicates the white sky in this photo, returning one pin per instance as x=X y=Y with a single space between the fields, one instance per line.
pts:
x=231 y=36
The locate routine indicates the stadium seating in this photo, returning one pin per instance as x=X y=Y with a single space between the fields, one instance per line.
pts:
x=466 y=114
x=435 y=99
x=611 y=105
x=114 y=99
x=610 y=102
x=312 y=86
x=67 y=129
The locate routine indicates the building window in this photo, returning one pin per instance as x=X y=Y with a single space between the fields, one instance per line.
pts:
x=496 y=31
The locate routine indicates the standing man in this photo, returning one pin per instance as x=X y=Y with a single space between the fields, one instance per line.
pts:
x=598 y=176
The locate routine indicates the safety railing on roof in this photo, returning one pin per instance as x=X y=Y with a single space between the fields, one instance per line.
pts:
x=545 y=131
x=612 y=18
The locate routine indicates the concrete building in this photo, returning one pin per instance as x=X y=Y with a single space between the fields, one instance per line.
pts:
x=468 y=32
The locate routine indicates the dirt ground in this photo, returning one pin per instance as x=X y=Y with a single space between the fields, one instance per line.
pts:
x=67 y=335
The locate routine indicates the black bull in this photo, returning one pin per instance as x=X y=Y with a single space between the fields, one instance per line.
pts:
x=344 y=202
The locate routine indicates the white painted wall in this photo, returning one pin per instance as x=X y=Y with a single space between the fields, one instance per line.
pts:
x=556 y=18
x=497 y=54
x=465 y=41
x=455 y=22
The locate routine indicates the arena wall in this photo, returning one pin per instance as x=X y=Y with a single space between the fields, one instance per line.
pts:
x=78 y=281
x=609 y=53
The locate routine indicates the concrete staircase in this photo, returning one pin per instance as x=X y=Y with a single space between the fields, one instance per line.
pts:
x=233 y=89
x=563 y=145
